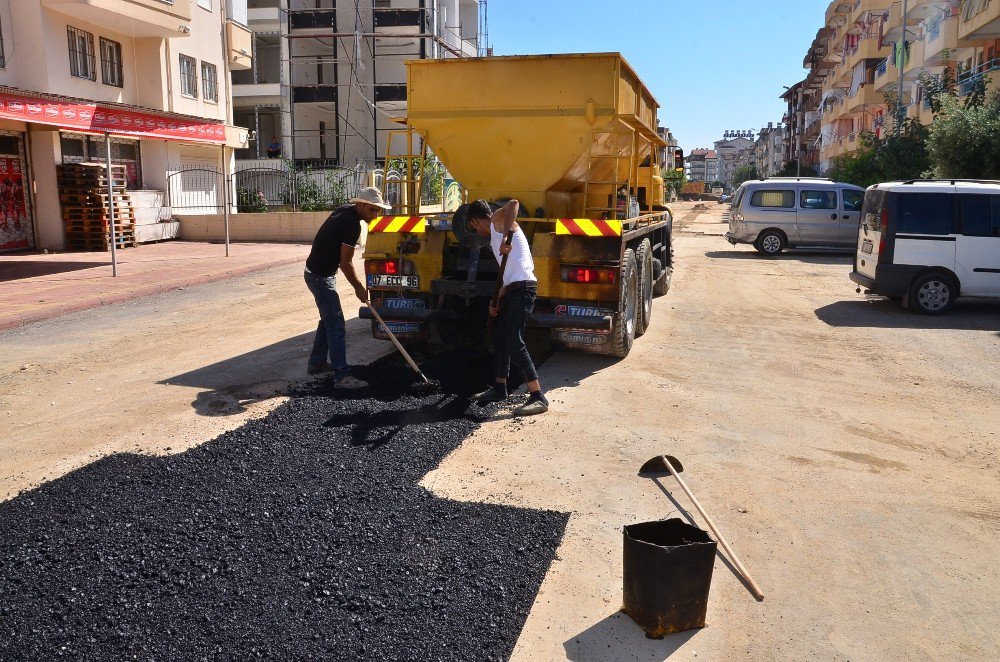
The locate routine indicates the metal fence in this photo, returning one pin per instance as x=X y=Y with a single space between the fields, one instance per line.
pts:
x=262 y=189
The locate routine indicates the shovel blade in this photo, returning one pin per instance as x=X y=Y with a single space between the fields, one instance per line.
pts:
x=655 y=466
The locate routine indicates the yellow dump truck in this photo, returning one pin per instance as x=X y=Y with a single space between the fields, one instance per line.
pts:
x=574 y=139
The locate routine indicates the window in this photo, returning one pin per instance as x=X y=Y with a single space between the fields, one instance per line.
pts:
x=82 y=61
x=980 y=215
x=853 y=200
x=3 y=61
x=209 y=82
x=205 y=4
x=111 y=63
x=765 y=198
x=818 y=199
x=189 y=76
x=926 y=213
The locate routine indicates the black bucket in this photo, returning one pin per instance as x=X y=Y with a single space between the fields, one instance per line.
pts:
x=668 y=571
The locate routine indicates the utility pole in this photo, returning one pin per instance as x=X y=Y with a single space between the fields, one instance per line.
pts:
x=901 y=62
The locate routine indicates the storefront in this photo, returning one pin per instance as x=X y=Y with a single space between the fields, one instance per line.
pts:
x=39 y=132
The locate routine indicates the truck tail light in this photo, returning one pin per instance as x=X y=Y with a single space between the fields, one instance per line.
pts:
x=589 y=275
x=390 y=267
x=885 y=232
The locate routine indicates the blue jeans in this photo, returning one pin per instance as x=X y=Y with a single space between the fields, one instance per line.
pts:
x=331 y=330
x=508 y=334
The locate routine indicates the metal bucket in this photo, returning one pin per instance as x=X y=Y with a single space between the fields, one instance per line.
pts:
x=667 y=575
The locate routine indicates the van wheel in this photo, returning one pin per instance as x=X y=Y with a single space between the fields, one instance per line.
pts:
x=932 y=294
x=644 y=264
x=623 y=333
x=770 y=242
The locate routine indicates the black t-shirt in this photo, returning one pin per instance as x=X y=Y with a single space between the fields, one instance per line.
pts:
x=342 y=228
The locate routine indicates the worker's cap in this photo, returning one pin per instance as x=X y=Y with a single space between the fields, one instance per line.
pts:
x=479 y=209
x=370 y=196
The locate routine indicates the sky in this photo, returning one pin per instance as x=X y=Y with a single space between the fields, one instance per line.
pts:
x=712 y=64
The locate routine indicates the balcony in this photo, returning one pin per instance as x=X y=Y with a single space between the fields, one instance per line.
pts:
x=837 y=13
x=915 y=63
x=942 y=38
x=979 y=22
x=135 y=18
x=983 y=74
x=866 y=97
x=868 y=48
x=239 y=39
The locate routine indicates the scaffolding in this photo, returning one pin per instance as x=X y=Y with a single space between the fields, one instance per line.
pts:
x=343 y=73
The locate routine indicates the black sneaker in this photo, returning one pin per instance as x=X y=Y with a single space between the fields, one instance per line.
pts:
x=496 y=393
x=317 y=369
x=537 y=404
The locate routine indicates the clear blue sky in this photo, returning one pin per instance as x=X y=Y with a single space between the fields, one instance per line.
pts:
x=712 y=65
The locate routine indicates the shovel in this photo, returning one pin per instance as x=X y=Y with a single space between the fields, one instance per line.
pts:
x=427 y=386
x=495 y=301
x=660 y=466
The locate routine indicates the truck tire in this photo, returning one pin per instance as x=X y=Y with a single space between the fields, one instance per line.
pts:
x=644 y=266
x=623 y=333
x=662 y=284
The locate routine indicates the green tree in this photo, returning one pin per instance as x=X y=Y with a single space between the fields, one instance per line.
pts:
x=791 y=169
x=744 y=173
x=896 y=156
x=964 y=139
x=674 y=180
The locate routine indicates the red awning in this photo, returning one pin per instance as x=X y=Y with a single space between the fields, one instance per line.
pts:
x=83 y=115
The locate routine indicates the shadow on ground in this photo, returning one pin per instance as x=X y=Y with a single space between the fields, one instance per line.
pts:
x=20 y=269
x=887 y=314
x=617 y=638
x=806 y=256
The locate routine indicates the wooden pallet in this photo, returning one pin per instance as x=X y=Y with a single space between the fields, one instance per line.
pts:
x=92 y=198
x=98 y=226
x=97 y=217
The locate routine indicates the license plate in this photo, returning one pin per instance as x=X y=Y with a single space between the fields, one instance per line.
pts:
x=400 y=328
x=395 y=282
x=582 y=338
x=867 y=245
x=403 y=304
x=582 y=311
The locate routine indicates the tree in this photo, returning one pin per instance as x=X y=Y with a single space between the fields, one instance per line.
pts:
x=791 y=169
x=744 y=173
x=674 y=180
x=964 y=140
x=896 y=156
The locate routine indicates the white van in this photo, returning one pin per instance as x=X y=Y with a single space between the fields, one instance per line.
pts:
x=928 y=242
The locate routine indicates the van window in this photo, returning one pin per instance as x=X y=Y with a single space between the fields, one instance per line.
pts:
x=765 y=198
x=926 y=213
x=871 y=212
x=980 y=215
x=853 y=200
x=739 y=196
x=818 y=200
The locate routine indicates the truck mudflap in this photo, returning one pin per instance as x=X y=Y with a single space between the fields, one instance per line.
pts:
x=390 y=310
x=584 y=337
x=542 y=320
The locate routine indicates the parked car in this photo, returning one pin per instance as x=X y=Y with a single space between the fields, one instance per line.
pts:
x=929 y=242
x=794 y=212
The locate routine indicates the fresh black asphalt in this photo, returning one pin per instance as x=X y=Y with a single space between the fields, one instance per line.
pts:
x=301 y=535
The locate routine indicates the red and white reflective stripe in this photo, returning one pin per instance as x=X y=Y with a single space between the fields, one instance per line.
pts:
x=386 y=224
x=588 y=227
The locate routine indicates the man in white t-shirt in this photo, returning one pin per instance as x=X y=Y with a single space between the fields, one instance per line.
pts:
x=517 y=300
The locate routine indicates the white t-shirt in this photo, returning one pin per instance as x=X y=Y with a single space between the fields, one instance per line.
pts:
x=520 y=266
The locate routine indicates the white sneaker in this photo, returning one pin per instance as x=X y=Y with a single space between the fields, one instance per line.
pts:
x=349 y=381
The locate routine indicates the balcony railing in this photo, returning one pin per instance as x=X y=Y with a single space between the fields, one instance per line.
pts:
x=882 y=68
x=968 y=80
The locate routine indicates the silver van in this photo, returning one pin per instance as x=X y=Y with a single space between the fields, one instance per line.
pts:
x=793 y=212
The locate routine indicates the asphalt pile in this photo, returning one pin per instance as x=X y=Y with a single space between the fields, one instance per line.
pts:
x=302 y=535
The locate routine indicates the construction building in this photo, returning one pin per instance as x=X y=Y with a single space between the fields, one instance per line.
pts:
x=329 y=77
x=863 y=52
x=147 y=78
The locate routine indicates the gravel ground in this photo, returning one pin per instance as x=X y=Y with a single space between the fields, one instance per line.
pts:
x=301 y=535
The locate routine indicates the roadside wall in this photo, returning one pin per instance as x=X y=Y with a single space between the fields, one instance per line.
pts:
x=271 y=226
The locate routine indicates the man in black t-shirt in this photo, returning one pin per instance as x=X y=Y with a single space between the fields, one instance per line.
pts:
x=332 y=249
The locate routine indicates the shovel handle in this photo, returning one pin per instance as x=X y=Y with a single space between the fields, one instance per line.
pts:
x=392 y=337
x=495 y=301
x=754 y=588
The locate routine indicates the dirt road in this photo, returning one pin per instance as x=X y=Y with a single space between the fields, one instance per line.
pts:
x=847 y=449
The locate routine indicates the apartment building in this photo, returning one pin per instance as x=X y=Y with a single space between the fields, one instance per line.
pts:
x=729 y=151
x=702 y=165
x=329 y=77
x=149 y=76
x=769 y=150
x=863 y=52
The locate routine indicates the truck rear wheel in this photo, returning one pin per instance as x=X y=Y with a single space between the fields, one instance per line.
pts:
x=623 y=333
x=644 y=265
